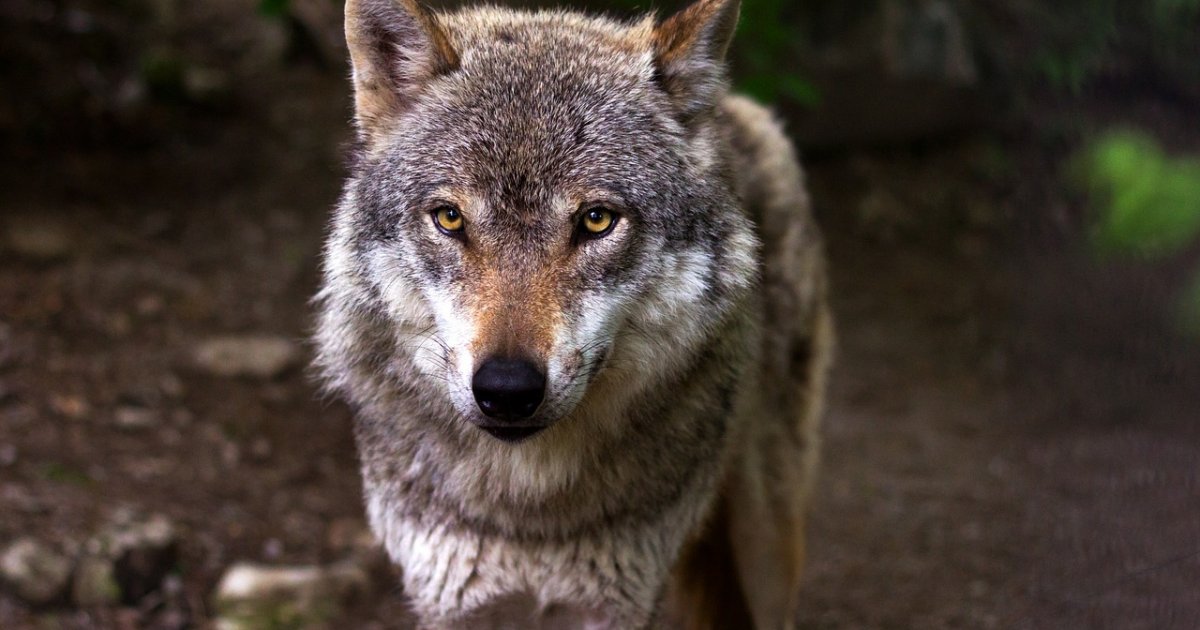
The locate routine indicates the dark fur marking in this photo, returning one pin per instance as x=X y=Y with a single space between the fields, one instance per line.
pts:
x=707 y=591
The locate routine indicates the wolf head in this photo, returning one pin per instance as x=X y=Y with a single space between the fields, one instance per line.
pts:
x=542 y=214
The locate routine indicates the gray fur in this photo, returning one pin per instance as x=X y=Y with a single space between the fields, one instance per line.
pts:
x=686 y=351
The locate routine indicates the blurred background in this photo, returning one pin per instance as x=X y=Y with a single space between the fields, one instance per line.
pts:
x=1010 y=190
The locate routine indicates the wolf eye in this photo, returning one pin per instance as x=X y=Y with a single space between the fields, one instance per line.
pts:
x=449 y=220
x=598 y=222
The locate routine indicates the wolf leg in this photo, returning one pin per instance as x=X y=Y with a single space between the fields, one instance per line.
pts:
x=768 y=550
x=771 y=482
x=705 y=593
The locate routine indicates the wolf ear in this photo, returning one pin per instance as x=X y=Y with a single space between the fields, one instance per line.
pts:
x=690 y=47
x=396 y=46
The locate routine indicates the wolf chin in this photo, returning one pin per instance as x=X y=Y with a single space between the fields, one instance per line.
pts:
x=574 y=291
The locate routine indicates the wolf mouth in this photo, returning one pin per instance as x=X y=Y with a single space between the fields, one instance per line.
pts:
x=512 y=435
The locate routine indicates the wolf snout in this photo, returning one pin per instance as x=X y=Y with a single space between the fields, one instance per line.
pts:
x=509 y=390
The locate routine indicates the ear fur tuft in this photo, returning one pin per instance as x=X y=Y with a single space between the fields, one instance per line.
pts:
x=690 y=47
x=396 y=46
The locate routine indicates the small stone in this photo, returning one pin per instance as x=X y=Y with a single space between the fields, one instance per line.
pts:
x=37 y=573
x=38 y=238
x=257 y=596
x=260 y=357
x=136 y=418
x=73 y=407
x=206 y=85
x=95 y=583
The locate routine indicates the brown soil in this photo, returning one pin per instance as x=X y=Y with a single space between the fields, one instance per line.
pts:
x=1011 y=442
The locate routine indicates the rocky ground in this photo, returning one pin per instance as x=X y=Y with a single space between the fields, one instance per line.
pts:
x=1011 y=440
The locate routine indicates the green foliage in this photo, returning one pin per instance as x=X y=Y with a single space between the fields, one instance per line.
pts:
x=273 y=8
x=766 y=42
x=1149 y=203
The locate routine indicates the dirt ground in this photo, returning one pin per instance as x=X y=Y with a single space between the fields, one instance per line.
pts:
x=1011 y=442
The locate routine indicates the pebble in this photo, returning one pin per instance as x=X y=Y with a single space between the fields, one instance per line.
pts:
x=207 y=85
x=136 y=418
x=253 y=356
x=35 y=572
x=95 y=583
x=69 y=406
x=260 y=596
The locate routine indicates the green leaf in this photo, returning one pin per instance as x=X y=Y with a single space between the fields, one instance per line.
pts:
x=1147 y=203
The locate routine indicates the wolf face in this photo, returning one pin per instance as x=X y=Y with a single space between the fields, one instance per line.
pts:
x=538 y=199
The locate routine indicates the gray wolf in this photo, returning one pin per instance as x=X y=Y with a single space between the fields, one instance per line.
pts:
x=575 y=293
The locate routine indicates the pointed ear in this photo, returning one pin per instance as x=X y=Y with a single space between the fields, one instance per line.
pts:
x=396 y=46
x=690 y=48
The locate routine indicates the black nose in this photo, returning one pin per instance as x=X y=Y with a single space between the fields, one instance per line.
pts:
x=508 y=389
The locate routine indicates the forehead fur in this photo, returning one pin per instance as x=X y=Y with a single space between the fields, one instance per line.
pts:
x=533 y=37
x=544 y=108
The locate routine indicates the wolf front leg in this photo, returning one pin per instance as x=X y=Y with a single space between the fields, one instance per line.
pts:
x=771 y=482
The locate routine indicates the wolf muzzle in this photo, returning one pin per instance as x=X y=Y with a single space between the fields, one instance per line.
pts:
x=508 y=392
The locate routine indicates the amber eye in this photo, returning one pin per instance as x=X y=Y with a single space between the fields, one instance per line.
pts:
x=448 y=219
x=598 y=222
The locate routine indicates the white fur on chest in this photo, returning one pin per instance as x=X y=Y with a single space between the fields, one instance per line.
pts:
x=609 y=579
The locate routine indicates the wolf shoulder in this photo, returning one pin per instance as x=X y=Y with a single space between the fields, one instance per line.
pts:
x=768 y=171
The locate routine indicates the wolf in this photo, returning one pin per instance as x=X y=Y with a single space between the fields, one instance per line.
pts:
x=575 y=294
